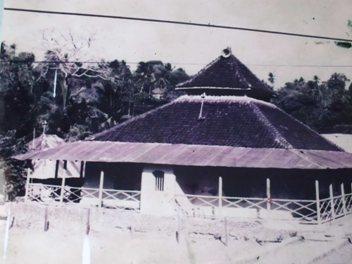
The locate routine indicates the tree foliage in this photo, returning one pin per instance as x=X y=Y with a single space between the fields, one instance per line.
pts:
x=87 y=98
x=324 y=106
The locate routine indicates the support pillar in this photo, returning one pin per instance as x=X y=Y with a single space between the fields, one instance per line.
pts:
x=317 y=198
x=220 y=195
x=101 y=187
x=332 y=204
x=268 y=194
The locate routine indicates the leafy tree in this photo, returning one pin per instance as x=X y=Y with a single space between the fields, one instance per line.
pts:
x=321 y=105
x=87 y=98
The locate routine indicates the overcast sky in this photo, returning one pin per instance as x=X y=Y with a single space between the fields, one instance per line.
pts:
x=194 y=47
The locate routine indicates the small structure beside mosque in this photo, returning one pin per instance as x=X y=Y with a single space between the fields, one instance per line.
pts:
x=45 y=170
x=51 y=172
x=214 y=147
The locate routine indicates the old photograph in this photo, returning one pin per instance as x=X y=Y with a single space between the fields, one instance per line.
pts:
x=147 y=131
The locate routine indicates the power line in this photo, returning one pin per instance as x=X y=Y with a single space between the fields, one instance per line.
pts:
x=181 y=63
x=142 y=19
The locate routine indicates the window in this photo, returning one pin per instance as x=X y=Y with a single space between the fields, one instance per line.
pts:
x=159 y=180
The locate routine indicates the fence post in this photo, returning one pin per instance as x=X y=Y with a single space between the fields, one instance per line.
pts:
x=317 y=198
x=7 y=232
x=332 y=205
x=220 y=195
x=88 y=222
x=62 y=189
x=268 y=194
x=343 y=199
x=46 y=222
x=27 y=185
x=226 y=232
x=101 y=186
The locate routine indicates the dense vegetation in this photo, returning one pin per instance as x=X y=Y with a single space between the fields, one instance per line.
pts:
x=77 y=100
x=324 y=106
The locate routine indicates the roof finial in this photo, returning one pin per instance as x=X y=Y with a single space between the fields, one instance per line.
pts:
x=201 y=117
x=226 y=52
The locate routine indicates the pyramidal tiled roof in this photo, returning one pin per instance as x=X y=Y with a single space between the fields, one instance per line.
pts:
x=236 y=121
x=226 y=75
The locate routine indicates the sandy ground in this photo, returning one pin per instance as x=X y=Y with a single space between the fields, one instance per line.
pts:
x=127 y=237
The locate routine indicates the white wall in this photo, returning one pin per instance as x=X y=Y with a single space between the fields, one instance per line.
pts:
x=156 y=202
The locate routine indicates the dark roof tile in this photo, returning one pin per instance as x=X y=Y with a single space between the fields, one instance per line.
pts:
x=226 y=75
x=236 y=121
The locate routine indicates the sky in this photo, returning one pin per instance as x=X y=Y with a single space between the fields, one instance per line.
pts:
x=193 y=47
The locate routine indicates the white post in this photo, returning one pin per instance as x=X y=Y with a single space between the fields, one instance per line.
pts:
x=343 y=199
x=62 y=189
x=220 y=194
x=332 y=205
x=7 y=233
x=268 y=195
x=88 y=222
x=27 y=185
x=226 y=232
x=317 y=201
x=86 y=256
x=46 y=222
x=101 y=186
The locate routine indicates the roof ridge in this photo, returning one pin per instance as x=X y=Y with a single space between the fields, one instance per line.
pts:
x=283 y=142
x=223 y=98
x=207 y=66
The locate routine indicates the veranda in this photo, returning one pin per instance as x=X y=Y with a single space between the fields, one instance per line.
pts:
x=308 y=211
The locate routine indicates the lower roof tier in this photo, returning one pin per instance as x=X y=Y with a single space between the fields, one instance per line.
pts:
x=236 y=121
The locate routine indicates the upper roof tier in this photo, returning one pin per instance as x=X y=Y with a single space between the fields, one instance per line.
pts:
x=226 y=75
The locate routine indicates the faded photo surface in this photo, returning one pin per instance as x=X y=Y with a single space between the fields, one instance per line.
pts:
x=176 y=131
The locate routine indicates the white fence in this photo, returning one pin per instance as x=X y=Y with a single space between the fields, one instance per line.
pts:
x=285 y=209
x=107 y=198
x=314 y=211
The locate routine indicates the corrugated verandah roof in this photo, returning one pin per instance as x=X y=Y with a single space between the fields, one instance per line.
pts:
x=194 y=155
